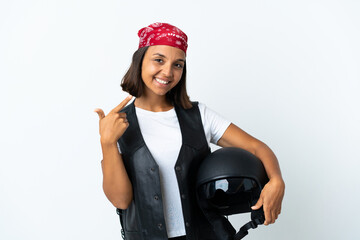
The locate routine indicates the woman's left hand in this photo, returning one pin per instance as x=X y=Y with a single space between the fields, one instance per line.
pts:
x=270 y=198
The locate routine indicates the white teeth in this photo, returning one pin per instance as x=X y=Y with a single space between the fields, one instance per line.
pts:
x=161 y=81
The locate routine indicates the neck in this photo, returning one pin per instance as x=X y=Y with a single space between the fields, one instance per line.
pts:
x=153 y=103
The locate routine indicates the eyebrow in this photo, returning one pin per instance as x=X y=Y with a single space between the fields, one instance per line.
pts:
x=161 y=55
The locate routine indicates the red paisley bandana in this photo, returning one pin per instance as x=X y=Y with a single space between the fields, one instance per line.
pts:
x=162 y=34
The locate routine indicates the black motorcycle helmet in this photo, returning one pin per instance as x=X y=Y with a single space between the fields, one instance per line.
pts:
x=229 y=181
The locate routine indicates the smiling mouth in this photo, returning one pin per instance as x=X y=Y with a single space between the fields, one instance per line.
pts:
x=162 y=81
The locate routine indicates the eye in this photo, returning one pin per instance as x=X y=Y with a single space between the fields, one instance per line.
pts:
x=159 y=60
x=178 y=65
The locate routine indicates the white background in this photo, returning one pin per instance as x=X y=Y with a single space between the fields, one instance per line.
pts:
x=287 y=72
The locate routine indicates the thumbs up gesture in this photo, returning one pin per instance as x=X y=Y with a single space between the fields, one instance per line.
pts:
x=113 y=125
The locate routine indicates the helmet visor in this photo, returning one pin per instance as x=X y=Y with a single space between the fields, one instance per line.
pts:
x=230 y=192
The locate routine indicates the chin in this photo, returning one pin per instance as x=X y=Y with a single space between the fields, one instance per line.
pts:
x=162 y=93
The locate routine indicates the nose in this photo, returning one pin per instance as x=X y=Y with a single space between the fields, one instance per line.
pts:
x=167 y=70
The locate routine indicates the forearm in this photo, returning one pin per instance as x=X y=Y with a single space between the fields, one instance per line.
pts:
x=236 y=137
x=116 y=183
x=273 y=192
x=268 y=158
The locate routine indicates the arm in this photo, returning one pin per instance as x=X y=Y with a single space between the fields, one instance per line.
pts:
x=116 y=183
x=273 y=192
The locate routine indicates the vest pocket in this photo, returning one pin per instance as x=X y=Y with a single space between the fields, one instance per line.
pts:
x=129 y=218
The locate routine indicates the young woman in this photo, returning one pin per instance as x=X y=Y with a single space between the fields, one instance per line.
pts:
x=153 y=146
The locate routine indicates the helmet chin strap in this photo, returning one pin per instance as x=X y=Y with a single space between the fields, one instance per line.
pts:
x=257 y=218
x=223 y=228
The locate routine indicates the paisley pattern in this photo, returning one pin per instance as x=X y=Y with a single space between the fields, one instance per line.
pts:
x=162 y=34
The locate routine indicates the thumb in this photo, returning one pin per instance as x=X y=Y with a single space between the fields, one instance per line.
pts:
x=100 y=112
x=258 y=204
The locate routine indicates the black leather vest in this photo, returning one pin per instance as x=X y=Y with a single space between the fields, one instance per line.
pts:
x=144 y=218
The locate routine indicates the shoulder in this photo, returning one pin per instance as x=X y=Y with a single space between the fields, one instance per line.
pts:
x=202 y=108
x=201 y=105
x=194 y=103
x=193 y=108
x=209 y=115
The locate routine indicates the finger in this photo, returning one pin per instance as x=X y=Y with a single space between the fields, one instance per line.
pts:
x=100 y=113
x=122 y=104
x=121 y=115
x=258 y=204
x=122 y=120
x=278 y=212
x=273 y=216
x=267 y=215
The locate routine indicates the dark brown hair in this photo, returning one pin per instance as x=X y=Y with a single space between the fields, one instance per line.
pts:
x=134 y=85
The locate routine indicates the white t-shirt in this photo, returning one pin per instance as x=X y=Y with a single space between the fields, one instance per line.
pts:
x=162 y=135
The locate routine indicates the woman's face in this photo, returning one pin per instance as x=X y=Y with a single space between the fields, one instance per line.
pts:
x=162 y=68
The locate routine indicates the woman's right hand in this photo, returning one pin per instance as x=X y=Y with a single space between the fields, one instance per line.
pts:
x=113 y=125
